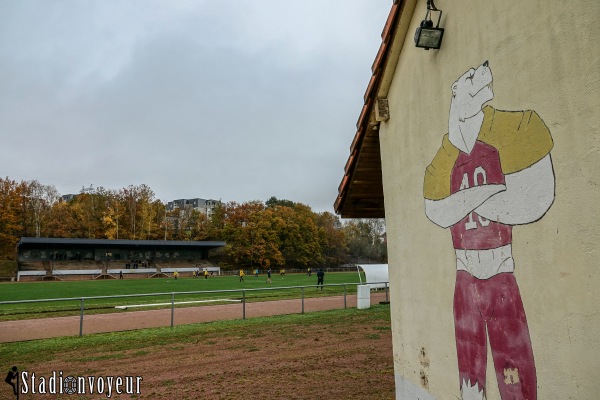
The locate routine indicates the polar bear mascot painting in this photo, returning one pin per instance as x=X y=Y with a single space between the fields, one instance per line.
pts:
x=492 y=171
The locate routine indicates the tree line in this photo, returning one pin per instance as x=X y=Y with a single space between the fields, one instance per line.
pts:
x=274 y=233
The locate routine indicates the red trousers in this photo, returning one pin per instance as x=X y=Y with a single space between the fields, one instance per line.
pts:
x=494 y=305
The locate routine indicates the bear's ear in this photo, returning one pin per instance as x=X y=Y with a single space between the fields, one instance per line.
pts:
x=454 y=88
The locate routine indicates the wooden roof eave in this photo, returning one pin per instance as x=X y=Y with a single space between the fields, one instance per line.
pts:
x=383 y=68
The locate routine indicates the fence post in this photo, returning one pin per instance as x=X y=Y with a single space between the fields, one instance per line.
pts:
x=81 y=319
x=386 y=292
x=243 y=304
x=345 y=296
x=172 y=309
x=302 y=289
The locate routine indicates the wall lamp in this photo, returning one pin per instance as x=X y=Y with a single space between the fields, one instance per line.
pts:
x=426 y=36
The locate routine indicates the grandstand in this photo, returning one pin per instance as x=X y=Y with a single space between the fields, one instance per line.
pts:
x=60 y=259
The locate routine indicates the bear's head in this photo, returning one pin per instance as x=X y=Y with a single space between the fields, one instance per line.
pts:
x=469 y=93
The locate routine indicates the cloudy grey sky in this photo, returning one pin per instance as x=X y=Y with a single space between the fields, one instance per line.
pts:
x=225 y=99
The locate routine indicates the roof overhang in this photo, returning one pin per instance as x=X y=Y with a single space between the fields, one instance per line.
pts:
x=360 y=194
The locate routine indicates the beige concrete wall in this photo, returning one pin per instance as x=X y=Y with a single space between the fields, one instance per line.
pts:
x=545 y=56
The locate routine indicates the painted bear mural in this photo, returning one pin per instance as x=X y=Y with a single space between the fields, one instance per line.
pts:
x=493 y=171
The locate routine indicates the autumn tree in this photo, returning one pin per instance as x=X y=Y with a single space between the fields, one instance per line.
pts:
x=264 y=239
x=11 y=215
x=86 y=207
x=242 y=234
x=276 y=233
x=63 y=222
x=39 y=200
x=198 y=226
x=188 y=223
x=155 y=223
x=138 y=212
x=366 y=240
x=216 y=222
x=298 y=235
x=274 y=201
x=333 y=240
x=112 y=216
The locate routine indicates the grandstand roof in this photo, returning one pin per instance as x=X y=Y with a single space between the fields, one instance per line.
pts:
x=109 y=243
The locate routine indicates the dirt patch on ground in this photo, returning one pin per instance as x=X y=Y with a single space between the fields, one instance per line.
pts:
x=345 y=358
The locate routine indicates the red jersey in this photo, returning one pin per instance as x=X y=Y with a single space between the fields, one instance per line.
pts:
x=481 y=167
x=508 y=142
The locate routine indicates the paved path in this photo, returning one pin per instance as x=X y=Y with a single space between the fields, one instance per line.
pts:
x=16 y=331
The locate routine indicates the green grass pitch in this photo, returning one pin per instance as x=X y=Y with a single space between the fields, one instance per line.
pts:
x=91 y=288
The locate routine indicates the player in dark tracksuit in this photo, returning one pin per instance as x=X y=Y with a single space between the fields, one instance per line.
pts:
x=320 y=276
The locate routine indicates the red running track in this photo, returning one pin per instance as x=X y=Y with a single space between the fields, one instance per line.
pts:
x=31 y=329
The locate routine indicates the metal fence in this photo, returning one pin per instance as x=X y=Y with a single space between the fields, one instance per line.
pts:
x=173 y=303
